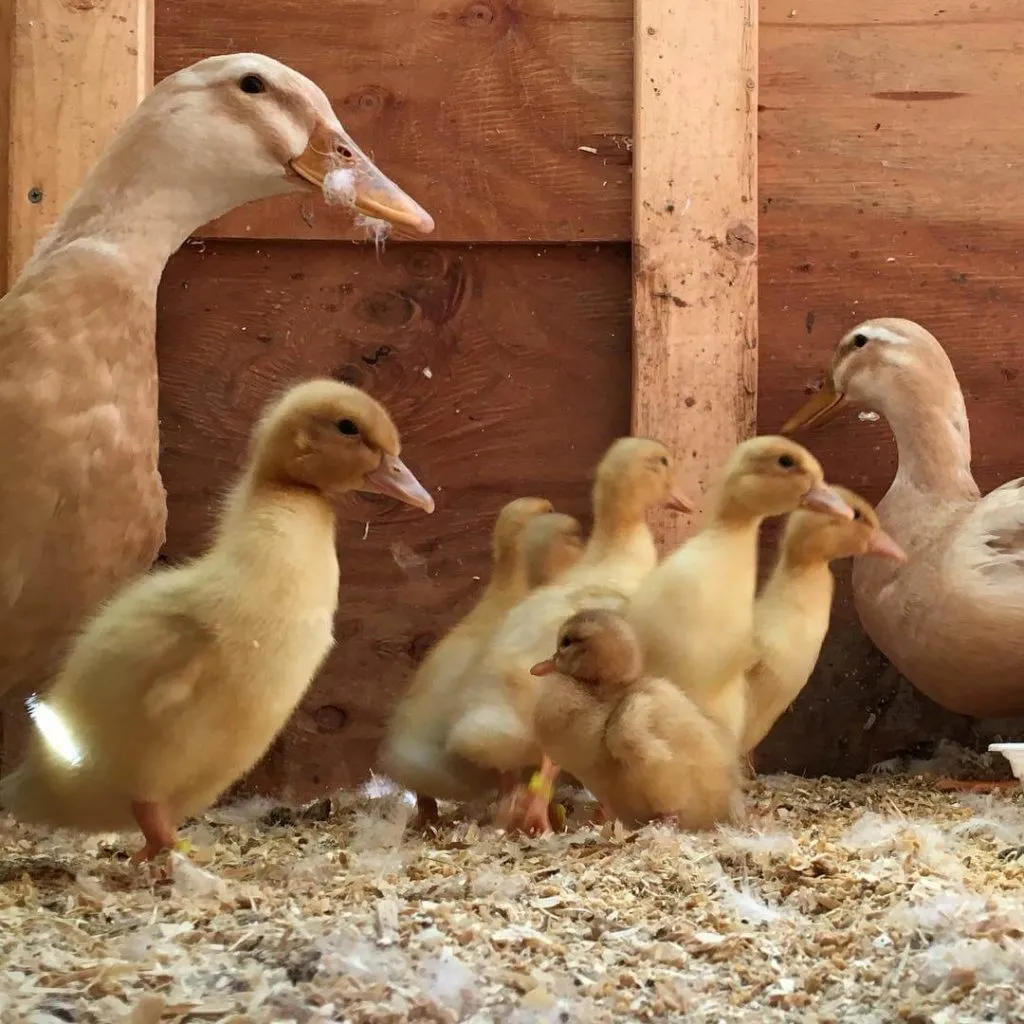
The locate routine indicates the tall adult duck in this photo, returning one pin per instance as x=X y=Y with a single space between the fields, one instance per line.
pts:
x=951 y=619
x=82 y=507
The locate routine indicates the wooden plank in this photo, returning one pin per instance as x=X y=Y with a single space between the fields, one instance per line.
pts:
x=78 y=68
x=695 y=231
x=6 y=48
x=511 y=121
x=528 y=353
x=889 y=187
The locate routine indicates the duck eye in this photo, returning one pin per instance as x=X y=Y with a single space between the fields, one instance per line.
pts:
x=252 y=84
x=860 y=340
x=787 y=461
x=348 y=428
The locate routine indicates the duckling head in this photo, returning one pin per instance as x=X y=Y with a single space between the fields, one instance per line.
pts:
x=635 y=476
x=508 y=527
x=243 y=126
x=886 y=364
x=595 y=647
x=329 y=437
x=770 y=476
x=550 y=544
x=812 y=538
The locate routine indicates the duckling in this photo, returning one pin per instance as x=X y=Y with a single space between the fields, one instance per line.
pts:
x=694 y=614
x=642 y=747
x=181 y=682
x=531 y=545
x=495 y=729
x=791 y=614
x=83 y=508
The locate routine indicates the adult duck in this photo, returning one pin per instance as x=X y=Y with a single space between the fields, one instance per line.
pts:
x=951 y=618
x=82 y=507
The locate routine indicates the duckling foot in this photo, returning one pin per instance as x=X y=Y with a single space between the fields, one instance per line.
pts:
x=975 y=786
x=527 y=809
x=156 y=828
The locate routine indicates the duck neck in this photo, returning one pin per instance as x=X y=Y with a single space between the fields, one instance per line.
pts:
x=146 y=195
x=933 y=442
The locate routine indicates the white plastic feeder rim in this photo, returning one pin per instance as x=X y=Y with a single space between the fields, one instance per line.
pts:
x=1014 y=753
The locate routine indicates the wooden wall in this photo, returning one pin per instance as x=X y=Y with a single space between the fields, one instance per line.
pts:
x=890 y=155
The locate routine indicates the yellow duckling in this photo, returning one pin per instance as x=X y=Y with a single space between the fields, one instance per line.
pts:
x=642 y=747
x=179 y=685
x=694 y=615
x=531 y=545
x=952 y=618
x=495 y=729
x=791 y=614
x=83 y=508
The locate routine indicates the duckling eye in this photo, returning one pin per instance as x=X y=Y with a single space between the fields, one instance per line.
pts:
x=664 y=460
x=860 y=340
x=348 y=428
x=252 y=84
x=856 y=513
x=565 y=642
x=787 y=461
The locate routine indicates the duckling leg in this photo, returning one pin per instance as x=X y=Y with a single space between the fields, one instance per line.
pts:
x=528 y=807
x=426 y=811
x=157 y=829
x=971 y=786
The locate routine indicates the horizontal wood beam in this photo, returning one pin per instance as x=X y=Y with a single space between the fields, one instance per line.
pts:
x=695 y=232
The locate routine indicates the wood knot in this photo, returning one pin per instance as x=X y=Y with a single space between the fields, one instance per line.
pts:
x=485 y=14
x=426 y=264
x=370 y=100
x=84 y=5
x=388 y=309
x=329 y=718
x=741 y=238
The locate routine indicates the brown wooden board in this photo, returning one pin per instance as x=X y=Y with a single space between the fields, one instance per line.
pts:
x=478 y=108
x=889 y=186
x=528 y=354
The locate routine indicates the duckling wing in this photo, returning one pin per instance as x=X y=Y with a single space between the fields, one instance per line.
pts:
x=633 y=736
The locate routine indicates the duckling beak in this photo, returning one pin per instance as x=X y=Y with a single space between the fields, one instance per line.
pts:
x=822 y=498
x=543 y=668
x=393 y=478
x=678 y=502
x=819 y=408
x=883 y=545
x=372 y=192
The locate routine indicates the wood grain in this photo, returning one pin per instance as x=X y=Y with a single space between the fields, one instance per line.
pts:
x=528 y=358
x=478 y=107
x=78 y=69
x=695 y=232
x=6 y=75
x=889 y=174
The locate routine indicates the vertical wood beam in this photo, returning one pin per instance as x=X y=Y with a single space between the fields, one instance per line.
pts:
x=695 y=233
x=77 y=69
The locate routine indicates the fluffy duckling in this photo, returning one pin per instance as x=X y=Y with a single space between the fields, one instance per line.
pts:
x=178 y=686
x=642 y=747
x=694 y=614
x=531 y=545
x=83 y=508
x=495 y=729
x=791 y=614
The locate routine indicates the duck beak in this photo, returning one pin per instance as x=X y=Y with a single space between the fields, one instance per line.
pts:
x=883 y=545
x=393 y=478
x=819 y=408
x=822 y=498
x=543 y=668
x=679 y=502
x=373 y=193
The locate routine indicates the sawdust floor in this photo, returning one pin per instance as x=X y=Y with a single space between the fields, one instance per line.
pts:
x=871 y=900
